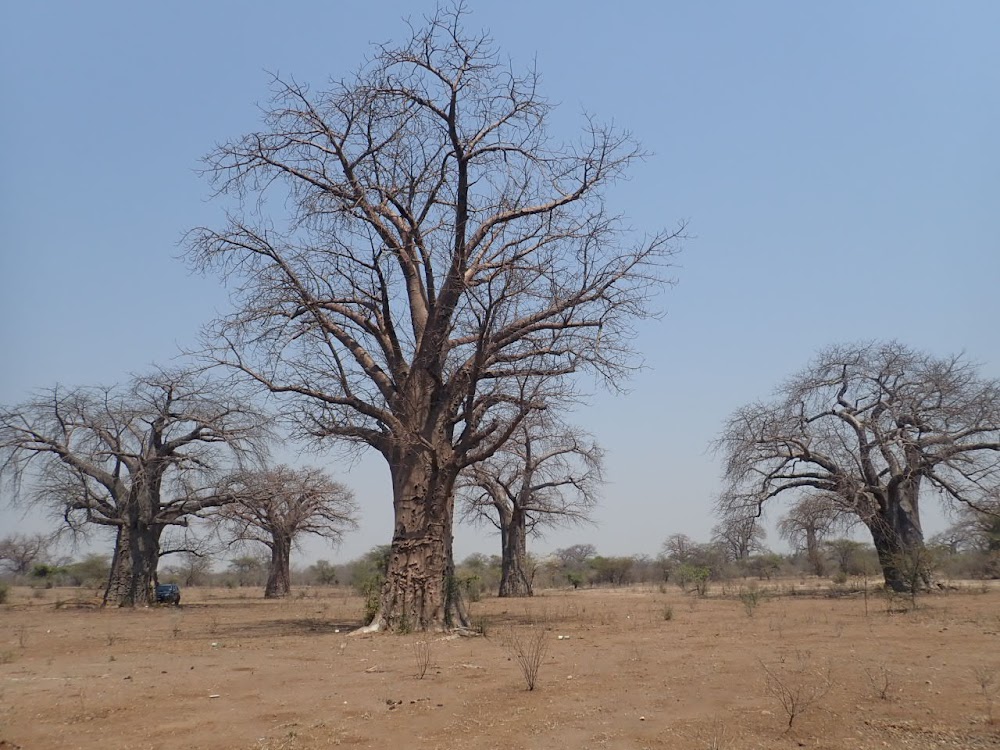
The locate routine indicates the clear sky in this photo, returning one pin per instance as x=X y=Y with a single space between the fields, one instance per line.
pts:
x=839 y=165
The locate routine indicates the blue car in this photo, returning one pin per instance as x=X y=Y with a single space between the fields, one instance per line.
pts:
x=168 y=593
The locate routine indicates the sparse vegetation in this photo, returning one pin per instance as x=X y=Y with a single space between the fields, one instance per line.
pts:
x=751 y=598
x=422 y=658
x=880 y=678
x=988 y=679
x=527 y=647
x=797 y=683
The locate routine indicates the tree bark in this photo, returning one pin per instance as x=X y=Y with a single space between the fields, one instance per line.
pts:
x=513 y=579
x=133 y=566
x=813 y=553
x=420 y=591
x=896 y=532
x=278 y=574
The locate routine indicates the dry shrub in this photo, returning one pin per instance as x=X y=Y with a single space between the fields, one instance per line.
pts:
x=797 y=683
x=422 y=658
x=527 y=647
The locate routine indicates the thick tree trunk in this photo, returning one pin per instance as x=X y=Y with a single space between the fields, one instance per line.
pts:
x=278 y=574
x=813 y=554
x=420 y=592
x=899 y=539
x=513 y=579
x=133 y=566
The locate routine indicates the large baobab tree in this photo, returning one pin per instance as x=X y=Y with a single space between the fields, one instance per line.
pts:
x=275 y=506
x=443 y=267
x=131 y=458
x=871 y=425
x=546 y=475
x=809 y=522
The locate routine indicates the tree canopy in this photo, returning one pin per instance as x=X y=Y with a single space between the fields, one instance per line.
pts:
x=872 y=425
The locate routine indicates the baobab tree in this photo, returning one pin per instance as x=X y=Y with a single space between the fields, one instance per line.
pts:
x=740 y=535
x=546 y=475
x=132 y=458
x=276 y=506
x=443 y=267
x=870 y=425
x=809 y=522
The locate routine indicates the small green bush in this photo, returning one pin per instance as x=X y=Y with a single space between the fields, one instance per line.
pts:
x=695 y=576
x=369 y=588
x=751 y=598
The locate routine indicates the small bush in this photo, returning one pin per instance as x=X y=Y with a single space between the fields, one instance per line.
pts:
x=422 y=658
x=693 y=576
x=668 y=613
x=751 y=598
x=370 y=589
x=797 y=685
x=4 y=590
x=528 y=650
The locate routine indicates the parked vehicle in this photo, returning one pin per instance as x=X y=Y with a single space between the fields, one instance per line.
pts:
x=168 y=593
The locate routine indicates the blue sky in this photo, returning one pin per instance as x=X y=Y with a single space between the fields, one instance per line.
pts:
x=839 y=165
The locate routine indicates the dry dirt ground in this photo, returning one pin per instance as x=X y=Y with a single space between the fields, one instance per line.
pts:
x=626 y=668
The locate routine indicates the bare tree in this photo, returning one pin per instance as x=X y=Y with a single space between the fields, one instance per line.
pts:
x=21 y=551
x=871 y=425
x=740 y=535
x=191 y=569
x=974 y=530
x=576 y=556
x=444 y=267
x=274 y=507
x=546 y=475
x=809 y=522
x=679 y=548
x=129 y=458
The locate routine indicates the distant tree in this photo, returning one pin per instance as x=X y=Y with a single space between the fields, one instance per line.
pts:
x=250 y=570
x=740 y=535
x=275 y=507
x=870 y=425
x=809 y=522
x=680 y=552
x=975 y=535
x=324 y=573
x=576 y=556
x=616 y=571
x=445 y=267
x=846 y=554
x=976 y=529
x=546 y=475
x=765 y=565
x=132 y=458
x=679 y=548
x=192 y=568
x=571 y=563
x=20 y=552
x=92 y=570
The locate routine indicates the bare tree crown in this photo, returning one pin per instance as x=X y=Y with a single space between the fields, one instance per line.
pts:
x=283 y=503
x=548 y=472
x=93 y=448
x=862 y=422
x=442 y=262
